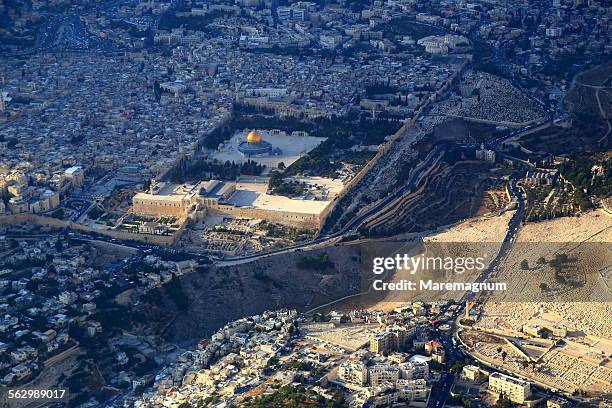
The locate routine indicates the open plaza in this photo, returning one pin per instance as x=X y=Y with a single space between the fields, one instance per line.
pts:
x=269 y=148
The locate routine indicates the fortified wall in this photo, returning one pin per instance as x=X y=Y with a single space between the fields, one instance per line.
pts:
x=163 y=240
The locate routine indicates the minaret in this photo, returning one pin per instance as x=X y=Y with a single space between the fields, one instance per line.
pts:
x=182 y=162
x=2 y=98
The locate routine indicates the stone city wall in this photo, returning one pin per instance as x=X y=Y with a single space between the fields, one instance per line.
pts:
x=384 y=148
x=163 y=240
x=176 y=208
x=297 y=220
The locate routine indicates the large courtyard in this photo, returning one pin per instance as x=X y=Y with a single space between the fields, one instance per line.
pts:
x=291 y=147
x=255 y=195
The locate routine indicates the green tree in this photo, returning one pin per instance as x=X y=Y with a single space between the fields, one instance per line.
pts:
x=503 y=402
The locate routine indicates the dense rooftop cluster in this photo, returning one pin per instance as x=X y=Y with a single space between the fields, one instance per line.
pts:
x=253 y=356
x=55 y=294
x=99 y=99
x=98 y=113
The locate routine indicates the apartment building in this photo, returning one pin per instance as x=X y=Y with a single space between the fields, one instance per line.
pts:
x=515 y=389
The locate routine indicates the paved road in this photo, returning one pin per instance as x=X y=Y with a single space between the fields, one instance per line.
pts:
x=72 y=31
x=347 y=233
x=513 y=228
x=349 y=230
x=440 y=393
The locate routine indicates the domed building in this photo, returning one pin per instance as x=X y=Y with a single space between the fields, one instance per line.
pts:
x=254 y=137
x=254 y=145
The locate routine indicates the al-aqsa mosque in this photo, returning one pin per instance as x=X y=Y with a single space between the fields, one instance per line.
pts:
x=254 y=145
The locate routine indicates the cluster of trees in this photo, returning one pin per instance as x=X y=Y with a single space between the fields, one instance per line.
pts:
x=291 y=50
x=175 y=256
x=9 y=12
x=578 y=172
x=248 y=117
x=175 y=292
x=59 y=213
x=290 y=396
x=279 y=186
x=268 y=280
x=380 y=89
x=293 y=234
x=131 y=29
x=463 y=401
x=113 y=317
x=169 y=20
x=320 y=317
x=357 y=6
x=319 y=263
x=95 y=213
x=225 y=171
x=503 y=402
x=315 y=163
x=408 y=26
x=563 y=65
x=559 y=261
x=483 y=53
x=11 y=142
x=341 y=132
x=357 y=158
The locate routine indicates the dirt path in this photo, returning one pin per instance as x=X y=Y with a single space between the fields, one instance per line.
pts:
x=598 y=88
x=602 y=113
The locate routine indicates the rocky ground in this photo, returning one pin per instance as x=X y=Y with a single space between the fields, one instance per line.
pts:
x=299 y=280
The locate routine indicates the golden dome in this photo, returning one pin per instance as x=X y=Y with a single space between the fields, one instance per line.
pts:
x=254 y=137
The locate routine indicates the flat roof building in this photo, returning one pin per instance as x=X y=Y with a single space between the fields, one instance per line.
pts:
x=243 y=200
x=515 y=389
x=471 y=373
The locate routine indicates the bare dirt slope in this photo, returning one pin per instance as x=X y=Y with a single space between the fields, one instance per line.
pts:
x=472 y=237
x=582 y=298
x=297 y=280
